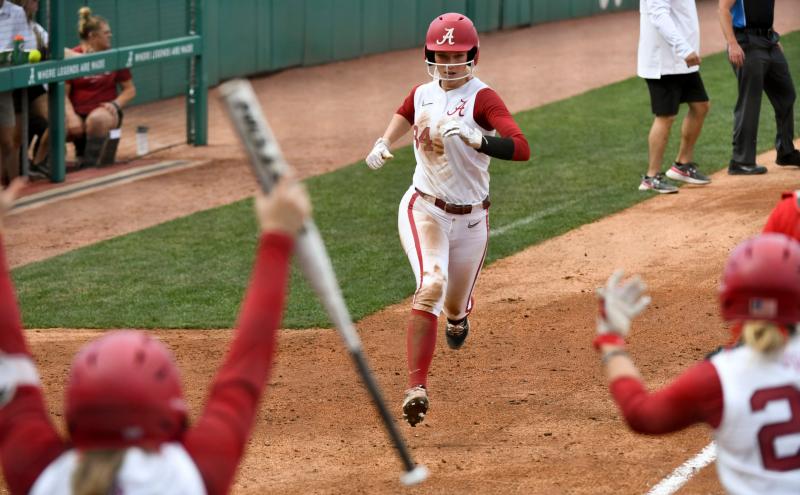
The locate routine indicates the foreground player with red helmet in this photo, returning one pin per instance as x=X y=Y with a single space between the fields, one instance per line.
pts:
x=749 y=395
x=443 y=218
x=125 y=412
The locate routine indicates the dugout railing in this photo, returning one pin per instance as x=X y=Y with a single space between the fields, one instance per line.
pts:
x=56 y=71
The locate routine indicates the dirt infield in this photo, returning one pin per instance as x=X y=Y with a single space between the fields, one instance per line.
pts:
x=523 y=407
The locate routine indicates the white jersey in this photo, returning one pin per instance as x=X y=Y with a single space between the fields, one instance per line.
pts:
x=461 y=175
x=758 y=439
x=669 y=31
x=170 y=470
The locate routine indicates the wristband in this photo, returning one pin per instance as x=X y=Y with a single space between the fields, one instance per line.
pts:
x=610 y=354
x=116 y=105
x=608 y=339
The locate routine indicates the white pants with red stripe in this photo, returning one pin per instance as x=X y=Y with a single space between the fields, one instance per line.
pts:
x=446 y=252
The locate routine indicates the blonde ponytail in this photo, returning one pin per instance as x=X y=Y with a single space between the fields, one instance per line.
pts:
x=763 y=336
x=97 y=471
x=88 y=23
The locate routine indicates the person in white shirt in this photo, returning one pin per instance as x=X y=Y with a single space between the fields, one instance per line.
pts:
x=13 y=22
x=669 y=60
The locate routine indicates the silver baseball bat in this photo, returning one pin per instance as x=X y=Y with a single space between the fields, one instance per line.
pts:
x=269 y=164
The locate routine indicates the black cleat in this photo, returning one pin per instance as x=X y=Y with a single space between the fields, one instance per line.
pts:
x=456 y=333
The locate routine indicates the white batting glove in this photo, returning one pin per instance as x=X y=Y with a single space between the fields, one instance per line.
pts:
x=470 y=135
x=620 y=303
x=379 y=154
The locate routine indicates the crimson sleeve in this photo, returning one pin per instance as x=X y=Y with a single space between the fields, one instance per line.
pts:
x=407 y=108
x=28 y=441
x=11 y=339
x=694 y=397
x=217 y=441
x=123 y=75
x=491 y=113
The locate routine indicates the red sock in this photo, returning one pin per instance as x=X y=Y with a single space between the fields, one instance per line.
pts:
x=420 y=344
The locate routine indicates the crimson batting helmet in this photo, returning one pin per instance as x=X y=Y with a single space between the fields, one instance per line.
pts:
x=124 y=391
x=761 y=281
x=452 y=32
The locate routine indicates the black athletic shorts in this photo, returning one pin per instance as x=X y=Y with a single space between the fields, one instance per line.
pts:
x=667 y=93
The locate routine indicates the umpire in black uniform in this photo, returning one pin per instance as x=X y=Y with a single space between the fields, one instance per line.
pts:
x=759 y=64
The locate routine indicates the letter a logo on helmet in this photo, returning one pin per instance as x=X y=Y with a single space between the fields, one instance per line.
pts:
x=448 y=37
x=452 y=33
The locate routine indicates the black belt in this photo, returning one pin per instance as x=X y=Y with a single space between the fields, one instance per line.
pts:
x=452 y=207
x=767 y=32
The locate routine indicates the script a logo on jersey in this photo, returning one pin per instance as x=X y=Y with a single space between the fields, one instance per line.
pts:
x=459 y=108
x=448 y=37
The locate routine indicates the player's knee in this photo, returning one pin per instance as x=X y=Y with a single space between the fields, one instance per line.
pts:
x=454 y=312
x=98 y=123
x=666 y=120
x=433 y=286
x=702 y=107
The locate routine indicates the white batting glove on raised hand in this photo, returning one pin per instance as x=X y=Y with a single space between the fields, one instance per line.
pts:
x=620 y=303
x=470 y=135
x=379 y=154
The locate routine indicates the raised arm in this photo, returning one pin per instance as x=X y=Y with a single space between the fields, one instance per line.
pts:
x=28 y=441
x=696 y=396
x=217 y=441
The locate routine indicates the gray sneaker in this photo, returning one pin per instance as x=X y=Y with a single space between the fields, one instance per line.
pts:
x=658 y=184
x=687 y=172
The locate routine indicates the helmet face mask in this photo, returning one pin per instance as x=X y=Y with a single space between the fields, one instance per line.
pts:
x=438 y=72
x=761 y=281
x=451 y=33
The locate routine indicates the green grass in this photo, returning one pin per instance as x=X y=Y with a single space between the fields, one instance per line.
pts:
x=588 y=153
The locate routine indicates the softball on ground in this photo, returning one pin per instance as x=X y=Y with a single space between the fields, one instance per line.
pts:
x=34 y=56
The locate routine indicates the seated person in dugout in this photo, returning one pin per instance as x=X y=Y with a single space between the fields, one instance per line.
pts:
x=94 y=104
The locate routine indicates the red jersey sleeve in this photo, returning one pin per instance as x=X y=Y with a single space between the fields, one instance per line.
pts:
x=216 y=442
x=694 y=397
x=11 y=339
x=785 y=217
x=123 y=75
x=28 y=441
x=407 y=108
x=491 y=113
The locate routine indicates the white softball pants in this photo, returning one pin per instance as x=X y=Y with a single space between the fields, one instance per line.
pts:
x=446 y=253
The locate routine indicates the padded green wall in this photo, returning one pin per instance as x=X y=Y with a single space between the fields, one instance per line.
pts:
x=247 y=37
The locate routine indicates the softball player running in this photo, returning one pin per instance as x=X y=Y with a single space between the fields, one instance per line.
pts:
x=444 y=218
x=125 y=411
x=749 y=394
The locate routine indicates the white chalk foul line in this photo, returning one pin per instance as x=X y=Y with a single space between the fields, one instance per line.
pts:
x=685 y=471
x=547 y=212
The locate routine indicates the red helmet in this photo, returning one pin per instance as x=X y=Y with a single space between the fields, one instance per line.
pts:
x=124 y=390
x=452 y=33
x=761 y=280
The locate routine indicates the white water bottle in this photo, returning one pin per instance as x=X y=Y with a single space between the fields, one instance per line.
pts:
x=141 y=140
